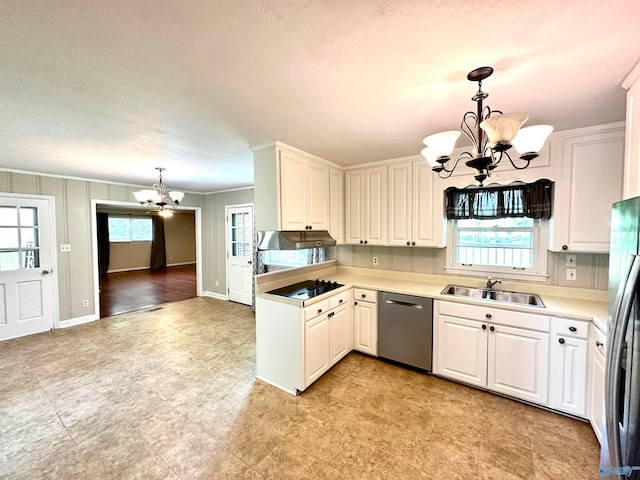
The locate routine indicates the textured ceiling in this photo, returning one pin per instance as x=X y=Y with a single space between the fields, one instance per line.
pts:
x=111 y=89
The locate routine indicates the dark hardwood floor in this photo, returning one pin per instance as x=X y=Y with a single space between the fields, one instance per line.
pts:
x=128 y=291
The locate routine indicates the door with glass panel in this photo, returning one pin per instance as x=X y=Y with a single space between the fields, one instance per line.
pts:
x=240 y=254
x=26 y=275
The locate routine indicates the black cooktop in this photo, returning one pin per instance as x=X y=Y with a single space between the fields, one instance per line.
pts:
x=307 y=289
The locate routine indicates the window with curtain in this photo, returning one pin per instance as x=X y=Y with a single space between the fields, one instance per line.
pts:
x=499 y=229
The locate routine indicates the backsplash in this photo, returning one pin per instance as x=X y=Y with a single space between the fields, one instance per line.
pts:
x=591 y=269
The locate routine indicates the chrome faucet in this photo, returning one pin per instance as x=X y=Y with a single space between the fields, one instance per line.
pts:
x=491 y=283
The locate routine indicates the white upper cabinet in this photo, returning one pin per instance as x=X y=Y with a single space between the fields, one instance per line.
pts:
x=414 y=218
x=589 y=181
x=632 y=142
x=366 y=206
x=304 y=193
x=336 y=203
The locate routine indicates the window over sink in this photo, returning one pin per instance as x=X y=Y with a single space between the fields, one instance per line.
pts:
x=510 y=247
x=499 y=229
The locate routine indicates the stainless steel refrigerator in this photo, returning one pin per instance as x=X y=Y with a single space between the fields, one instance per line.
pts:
x=620 y=456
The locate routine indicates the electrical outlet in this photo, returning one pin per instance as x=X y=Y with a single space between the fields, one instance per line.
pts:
x=571 y=273
x=65 y=247
x=375 y=260
x=571 y=261
x=216 y=283
x=85 y=303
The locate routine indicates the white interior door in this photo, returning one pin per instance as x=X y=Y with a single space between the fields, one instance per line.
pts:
x=240 y=253
x=27 y=303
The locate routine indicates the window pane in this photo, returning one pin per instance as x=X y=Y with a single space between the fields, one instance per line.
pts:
x=9 y=216
x=9 y=261
x=119 y=230
x=141 y=229
x=29 y=237
x=28 y=216
x=8 y=237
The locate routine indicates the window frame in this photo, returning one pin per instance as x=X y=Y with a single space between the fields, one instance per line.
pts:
x=537 y=272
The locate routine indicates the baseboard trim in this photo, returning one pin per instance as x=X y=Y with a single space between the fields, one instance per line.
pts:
x=131 y=269
x=219 y=296
x=72 y=322
x=135 y=269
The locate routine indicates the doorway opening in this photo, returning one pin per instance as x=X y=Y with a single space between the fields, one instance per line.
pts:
x=138 y=271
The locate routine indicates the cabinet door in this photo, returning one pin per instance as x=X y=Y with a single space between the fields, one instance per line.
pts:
x=365 y=317
x=336 y=201
x=341 y=333
x=582 y=209
x=292 y=191
x=375 y=205
x=354 y=211
x=461 y=350
x=317 y=204
x=568 y=375
x=400 y=204
x=596 y=400
x=427 y=217
x=316 y=348
x=518 y=362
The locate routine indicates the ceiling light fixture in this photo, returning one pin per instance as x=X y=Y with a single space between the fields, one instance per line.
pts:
x=492 y=134
x=158 y=196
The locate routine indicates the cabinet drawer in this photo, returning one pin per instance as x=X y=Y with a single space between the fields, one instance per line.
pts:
x=340 y=299
x=494 y=315
x=573 y=328
x=360 y=294
x=316 y=309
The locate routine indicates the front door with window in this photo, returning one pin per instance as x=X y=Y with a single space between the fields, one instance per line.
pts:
x=26 y=280
x=240 y=254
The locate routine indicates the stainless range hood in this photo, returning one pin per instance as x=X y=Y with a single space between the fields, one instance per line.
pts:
x=294 y=239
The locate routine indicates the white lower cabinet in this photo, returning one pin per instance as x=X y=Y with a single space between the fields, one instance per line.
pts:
x=341 y=333
x=317 y=357
x=503 y=351
x=517 y=362
x=568 y=383
x=295 y=346
x=461 y=346
x=328 y=335
x=597 y=342
x=365 y=317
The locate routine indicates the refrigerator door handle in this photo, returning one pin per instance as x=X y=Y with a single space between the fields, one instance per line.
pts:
x=616 y=344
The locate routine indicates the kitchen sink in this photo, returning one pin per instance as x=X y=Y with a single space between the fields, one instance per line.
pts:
x=502 y=296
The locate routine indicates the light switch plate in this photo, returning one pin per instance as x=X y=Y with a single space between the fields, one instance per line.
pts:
x=571 y=273
x=571 y=261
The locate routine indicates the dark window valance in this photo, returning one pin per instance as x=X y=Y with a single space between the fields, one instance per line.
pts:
x=533 y=200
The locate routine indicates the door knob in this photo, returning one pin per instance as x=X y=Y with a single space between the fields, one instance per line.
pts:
x=46 y=272
x=249 y=262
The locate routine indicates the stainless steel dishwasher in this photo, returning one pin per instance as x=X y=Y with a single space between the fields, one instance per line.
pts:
x=405 y=329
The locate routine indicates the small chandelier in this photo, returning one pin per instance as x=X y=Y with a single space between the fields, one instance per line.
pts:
x=158 y=196
x=492 y=134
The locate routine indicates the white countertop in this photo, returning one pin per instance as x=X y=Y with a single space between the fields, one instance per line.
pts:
x=584 y=304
